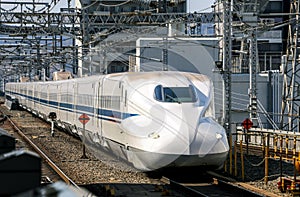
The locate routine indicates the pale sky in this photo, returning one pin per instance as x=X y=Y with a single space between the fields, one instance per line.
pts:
x=192 y=5
x=199 y=5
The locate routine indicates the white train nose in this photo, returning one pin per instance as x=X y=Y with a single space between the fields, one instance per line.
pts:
x=209 y=138
x=207 y=146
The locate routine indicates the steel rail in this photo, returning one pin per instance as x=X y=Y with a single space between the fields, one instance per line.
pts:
x=68 y=180
x=178 y=186
x=220 y=184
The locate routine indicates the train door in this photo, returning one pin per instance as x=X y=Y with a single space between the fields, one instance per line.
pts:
x=75 y=95
x=68 y=101
x=58 y=87
x=122 y=95
x=123 y=110
x=100 y=106
x=111 y=111
x=65 y=93
x=95 y=105
x=123 y=101
x=38 y=97
x=33 y=97
x=52 y=94
x=47 y=100
x=26 y=98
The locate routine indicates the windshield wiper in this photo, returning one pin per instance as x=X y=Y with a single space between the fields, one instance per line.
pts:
x=174 y=99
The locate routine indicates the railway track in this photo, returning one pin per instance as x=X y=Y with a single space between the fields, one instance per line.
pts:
x=110 y=184
x=53 y=166
x=43 y=155
x=210 y=183
x=214 y=187
x=48 y=174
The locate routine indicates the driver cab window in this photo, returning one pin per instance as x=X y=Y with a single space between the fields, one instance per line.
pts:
x=175 y=94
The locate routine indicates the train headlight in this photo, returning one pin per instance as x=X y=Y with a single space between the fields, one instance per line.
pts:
x=219 y=136
x=153 y=135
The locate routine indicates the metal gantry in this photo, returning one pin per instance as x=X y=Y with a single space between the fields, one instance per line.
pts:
x=88 y=28
x=39 y=34
x=291 y=74
x=251 y=19
x=227 y=47
x=38 y=28
x=247 y=28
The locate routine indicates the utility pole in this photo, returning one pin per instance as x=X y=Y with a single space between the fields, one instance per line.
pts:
x=248 y=14
x=291 y=73
x=38 y=54
x=165 y=48
x=251 y=18
x=227 y=47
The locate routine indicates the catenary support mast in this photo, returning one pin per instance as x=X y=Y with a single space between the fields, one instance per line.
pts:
x=291 y=74
x=227 y=46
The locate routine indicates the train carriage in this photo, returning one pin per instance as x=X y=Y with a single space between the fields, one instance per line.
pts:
x=151 y=120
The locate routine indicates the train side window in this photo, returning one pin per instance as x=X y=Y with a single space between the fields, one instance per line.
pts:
x=158 y=93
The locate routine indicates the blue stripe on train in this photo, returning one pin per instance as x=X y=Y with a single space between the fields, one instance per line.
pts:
x=104 y=114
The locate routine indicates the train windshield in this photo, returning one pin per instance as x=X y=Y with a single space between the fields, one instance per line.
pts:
x=175 y=94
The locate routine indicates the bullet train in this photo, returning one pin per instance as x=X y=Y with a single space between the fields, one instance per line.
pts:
x=151 y=120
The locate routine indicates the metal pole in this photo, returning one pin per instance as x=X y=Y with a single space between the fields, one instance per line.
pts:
x=294 y=159
x=247 y=141
x=235 y=158
x=227 y=48
x=242 y=160
x=83 y=146
x=230 y=153
x=252 y=73
x=299 y=118
x=165 y=50
x=281 y=144
x=267 y=161
x=291 y=68
x=52 y=128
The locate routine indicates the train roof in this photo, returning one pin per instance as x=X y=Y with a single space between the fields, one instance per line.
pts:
x=137 y=76
x=131 y=76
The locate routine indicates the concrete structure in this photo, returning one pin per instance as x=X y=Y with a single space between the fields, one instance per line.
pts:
x=20 y=170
